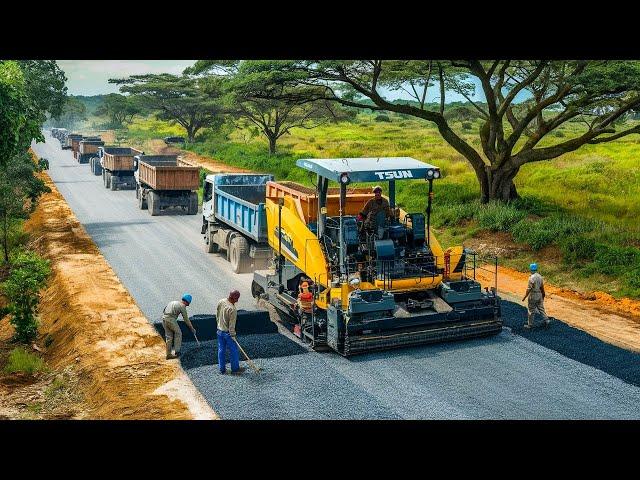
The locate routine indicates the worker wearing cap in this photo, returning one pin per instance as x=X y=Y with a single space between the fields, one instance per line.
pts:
x=536 y=294
x=373 y=207
x=172 y=331
x=226 y=315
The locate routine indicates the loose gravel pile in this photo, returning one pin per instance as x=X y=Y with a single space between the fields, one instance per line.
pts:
x=575 y=344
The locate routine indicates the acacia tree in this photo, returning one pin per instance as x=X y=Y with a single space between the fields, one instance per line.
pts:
x=273 y=108
x=193 y=103
x=118 y=108
x=596 y=93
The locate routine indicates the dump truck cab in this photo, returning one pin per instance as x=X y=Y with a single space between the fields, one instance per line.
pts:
x=374 y=288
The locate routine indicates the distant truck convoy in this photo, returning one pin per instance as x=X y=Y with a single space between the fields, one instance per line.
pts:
x=116 y=165
x=164 y=181
x=234 y=220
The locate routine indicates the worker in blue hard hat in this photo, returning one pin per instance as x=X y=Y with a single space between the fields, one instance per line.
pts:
x=536 y=294
x=172 y=331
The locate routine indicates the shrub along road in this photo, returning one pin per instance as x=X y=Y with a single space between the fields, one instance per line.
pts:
x=507 y=376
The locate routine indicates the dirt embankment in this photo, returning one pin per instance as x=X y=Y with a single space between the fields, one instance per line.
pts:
x=99 y=331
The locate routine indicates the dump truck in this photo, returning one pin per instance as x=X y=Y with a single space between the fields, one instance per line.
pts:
x=69 y=139
x=377 y=285
x=234 y=219
x=116 y=165
x=165 y=181
x=88 y=149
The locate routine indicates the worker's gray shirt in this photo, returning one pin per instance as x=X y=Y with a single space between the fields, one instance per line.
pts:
x=535 y=284
x=173 y=310
x=226 y=315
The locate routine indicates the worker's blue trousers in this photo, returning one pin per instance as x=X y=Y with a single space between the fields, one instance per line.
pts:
x=225 y=340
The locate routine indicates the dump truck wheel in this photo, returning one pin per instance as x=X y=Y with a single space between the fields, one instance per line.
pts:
x=239 y=255
x=193 y=203
x=115 y=180
x=142 y=203
x=212 y=247
x=137 y=192
x=154 y=204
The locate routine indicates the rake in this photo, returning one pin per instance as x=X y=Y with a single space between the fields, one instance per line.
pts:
x=257 y=370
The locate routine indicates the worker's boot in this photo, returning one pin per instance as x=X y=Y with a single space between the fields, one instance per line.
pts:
x=239 y=371
x=171 y=356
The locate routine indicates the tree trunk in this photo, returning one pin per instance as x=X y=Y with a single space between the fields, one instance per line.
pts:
x=497 y=184
x=272 y=145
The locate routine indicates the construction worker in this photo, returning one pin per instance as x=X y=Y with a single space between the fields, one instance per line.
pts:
x=172 y=331
x=305 y=298
x=371 y=209
x=226 y=315
x=536 y=294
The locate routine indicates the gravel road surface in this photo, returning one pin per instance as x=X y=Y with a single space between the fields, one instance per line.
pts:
x=503 y=377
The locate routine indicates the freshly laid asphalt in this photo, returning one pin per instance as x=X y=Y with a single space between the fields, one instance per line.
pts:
x=559 y=373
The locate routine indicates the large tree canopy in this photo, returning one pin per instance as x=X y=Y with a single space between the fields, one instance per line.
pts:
x=273 y=108
x=595 y=93
x=193 y=103
x=118 y=108
x=28 y=90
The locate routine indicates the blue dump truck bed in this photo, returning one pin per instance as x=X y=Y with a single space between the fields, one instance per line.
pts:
x=239 y=202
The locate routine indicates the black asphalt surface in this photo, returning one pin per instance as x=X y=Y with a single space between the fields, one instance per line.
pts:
x=559 y=373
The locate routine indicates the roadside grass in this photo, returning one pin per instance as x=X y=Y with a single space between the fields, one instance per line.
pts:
x=21 y=361
x=583 y=205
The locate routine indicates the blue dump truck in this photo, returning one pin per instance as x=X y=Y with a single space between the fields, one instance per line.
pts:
x=234 y=218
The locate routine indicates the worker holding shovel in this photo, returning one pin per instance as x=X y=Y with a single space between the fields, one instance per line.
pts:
x=226 y=315
x=172 y=330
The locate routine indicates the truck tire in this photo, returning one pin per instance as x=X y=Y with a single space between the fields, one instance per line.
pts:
x=107 y=179
x=193 y=204
x=154 y=204
x=239 y=254
x=142 y=203
x=115 y=180
x=212 y=247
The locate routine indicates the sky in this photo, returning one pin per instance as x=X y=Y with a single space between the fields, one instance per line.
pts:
x=90 y=77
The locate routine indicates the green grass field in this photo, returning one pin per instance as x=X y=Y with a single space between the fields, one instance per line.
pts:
x=582 y=207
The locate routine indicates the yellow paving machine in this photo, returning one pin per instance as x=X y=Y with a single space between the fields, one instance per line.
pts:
x=384 y=284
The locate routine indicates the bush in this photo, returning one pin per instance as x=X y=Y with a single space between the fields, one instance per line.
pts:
x=614 y=260
x=22 y=361
x=499 y=216
x=577 y=248
x=453 y=214
x=552 y=229
x=28 y=274
x=382 y=118
x=467 y=126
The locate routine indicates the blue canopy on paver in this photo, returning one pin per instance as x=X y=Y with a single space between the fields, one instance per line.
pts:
x=370 y=169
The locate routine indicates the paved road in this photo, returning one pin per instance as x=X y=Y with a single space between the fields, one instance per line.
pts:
x=507 y=376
